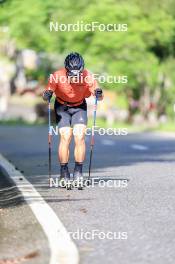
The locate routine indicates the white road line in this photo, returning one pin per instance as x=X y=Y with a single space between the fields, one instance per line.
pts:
x=139 y=147
x=63 y=250
x=108 y=142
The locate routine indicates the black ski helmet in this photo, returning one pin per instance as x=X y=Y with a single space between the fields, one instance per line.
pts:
x=74 y=64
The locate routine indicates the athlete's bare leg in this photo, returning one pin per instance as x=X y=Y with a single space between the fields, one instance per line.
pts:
x=79 y=138
x=65 y=139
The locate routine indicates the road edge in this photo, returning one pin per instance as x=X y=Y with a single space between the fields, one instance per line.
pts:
x=62 y=248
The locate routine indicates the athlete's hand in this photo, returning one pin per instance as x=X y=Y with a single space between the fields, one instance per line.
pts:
x=47 y=95
x=99 y=94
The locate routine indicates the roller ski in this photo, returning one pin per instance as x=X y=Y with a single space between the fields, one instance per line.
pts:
x=78 y=176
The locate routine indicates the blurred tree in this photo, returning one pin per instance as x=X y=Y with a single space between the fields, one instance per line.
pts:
x=145 y=53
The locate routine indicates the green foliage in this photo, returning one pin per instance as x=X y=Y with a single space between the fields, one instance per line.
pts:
x=143 y=53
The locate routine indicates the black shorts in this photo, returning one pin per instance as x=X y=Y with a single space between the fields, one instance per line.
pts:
x=68 y=116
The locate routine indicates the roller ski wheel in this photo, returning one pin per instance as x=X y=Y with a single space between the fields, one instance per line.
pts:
x=78 y=180
x=65 y=183
x=65 y=180
x=68 y=185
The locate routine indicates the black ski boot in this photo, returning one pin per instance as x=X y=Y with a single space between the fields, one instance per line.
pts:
x=65 y=181
x=78 y=176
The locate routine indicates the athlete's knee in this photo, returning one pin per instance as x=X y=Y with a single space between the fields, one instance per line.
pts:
x=79 y=130
x=79 y=139
x=64 y=139
x=65 y=135
x=79 y=133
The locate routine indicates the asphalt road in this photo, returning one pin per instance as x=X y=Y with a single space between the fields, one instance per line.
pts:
x=139 y=209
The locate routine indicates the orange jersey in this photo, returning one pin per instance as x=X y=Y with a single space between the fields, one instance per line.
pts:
x=74 y=93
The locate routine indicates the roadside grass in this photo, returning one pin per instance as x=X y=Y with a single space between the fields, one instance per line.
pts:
x=119 y=125
x=100 y=122
x=31 y=101
x=167 y=127
x=22 y=122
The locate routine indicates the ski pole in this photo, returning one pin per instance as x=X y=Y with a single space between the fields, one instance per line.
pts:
x=49 y=137
x=92 y=137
